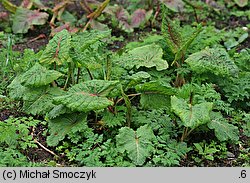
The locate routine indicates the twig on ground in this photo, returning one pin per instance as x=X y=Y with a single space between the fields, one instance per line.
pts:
x=46 y=149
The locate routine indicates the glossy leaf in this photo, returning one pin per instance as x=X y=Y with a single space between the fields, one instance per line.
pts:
x=191 y=116
x=137 y=144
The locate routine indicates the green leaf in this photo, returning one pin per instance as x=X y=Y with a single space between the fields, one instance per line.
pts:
x=24 y=19
x=57 y=50
x=145 y=56
x=199 y=148
x=63 y=125
x=171 y=32
x=113 y=120
x=216 y=61
x=86 y=48
x=9 y=6
x=154 y=101
x=16 y=90
x=57 y=111
x=223 y=130
x=191 y=116
x=88 y=96
x=83 y=40
x=241 y=3
x=128 y=106
x=174 y=5
x=156 y=87
x=8 y=134
x=39 y=76
x=155 y=94
x=138 y=78
x=243 y=37
x=185 y=45
x=138 y=144
x=40 y=100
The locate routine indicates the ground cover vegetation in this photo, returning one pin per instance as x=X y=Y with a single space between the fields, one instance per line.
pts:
x=125 y=83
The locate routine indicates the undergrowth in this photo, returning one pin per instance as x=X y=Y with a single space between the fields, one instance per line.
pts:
x=140 y=106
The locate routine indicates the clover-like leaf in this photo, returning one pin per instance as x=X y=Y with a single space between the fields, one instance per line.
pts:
x=88 y=96
x=216 y=61
x=57 y=50
x=39 y=76
x=191 y=116
x=24 y=19
x=64 y=124
x=223 y=130
x=137 y=144
x=145 y=56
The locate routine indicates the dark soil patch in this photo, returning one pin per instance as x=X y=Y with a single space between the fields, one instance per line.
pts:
x=39 y=154
x=6 y=113
x=34 y=39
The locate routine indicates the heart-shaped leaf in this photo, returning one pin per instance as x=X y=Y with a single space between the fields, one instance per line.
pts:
x=138 y=144
x=145 y=56
x=191 y=116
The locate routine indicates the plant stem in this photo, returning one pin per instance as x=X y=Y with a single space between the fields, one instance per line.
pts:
x=68 y=77
x=78 y=75
x=184 y=134
x=109 y=68
x=90 y=74
x=129 y=107
x=130 y=95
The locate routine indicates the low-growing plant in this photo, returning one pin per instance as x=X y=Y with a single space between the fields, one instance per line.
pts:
x=16 y=138
x=140 y=106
